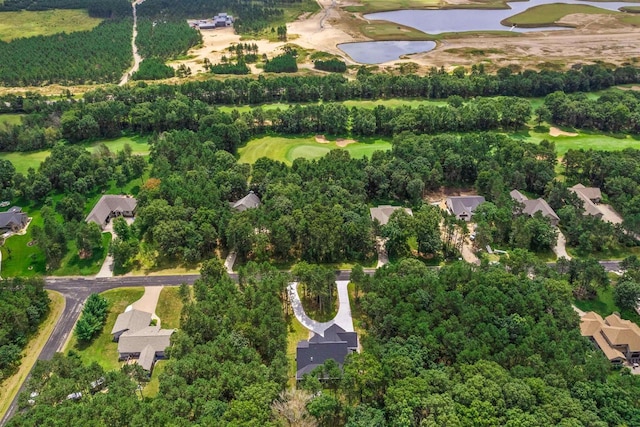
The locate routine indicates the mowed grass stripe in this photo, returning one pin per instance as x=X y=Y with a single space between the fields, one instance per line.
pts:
x=24 y=24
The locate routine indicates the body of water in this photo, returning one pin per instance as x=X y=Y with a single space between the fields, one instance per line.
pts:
x=378 y=52
x=436 y=21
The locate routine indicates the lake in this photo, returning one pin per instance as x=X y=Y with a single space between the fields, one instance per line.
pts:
x=378 y=52
x=436 y=21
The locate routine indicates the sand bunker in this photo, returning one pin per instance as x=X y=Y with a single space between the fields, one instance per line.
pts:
x=554 y=131
x=628 y=88
x=321 y=139
x=340 y=142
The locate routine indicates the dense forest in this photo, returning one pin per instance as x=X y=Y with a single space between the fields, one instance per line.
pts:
x=23 y=305
x=165 y=39
x=227 y=365
x=460 y=346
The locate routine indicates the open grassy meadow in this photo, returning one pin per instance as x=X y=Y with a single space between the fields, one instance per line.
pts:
x=103 y=349
x=169 y=307
x=370 y=6
x=548 y=14
x=22 y=161
x=287 y=149
x=11 y=119
x=11 y=385
x=44 y=23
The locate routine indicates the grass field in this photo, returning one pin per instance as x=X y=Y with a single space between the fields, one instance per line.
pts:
x=11 y=119
x=548 y=14
x=23 y=161
x=72 y=265
x=297 y=332
x=152 y=388
x=44 y=23
x=20 y=259
x=11 y=385
x=604 y=305
x=287 y=149
x=169 y=307
x=382 y=30
x=370 y=6
x=103 y=349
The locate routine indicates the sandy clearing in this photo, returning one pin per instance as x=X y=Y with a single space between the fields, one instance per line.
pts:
x=629 y=88
x=554 y=131
x=320 y=139
x=340 y=142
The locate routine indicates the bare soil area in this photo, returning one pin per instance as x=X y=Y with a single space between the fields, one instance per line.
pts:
x=340 y=142
x=320 y=139
x=554 y=131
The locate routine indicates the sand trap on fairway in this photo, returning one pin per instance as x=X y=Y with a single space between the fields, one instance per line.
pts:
x=554 y=131
x=321 y=139
x=340 y=142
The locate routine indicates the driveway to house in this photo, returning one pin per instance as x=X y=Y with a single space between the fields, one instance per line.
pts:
x=560 y=248
x=383 y=256
x=148 y=302
x=343 y=317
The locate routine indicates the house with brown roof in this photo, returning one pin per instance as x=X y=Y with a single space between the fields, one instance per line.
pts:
x=13 y=220
x=530 y=207
x=382 y=213
x=138 y=339
x=619 y=339
x=112 y=206
x=590 y=196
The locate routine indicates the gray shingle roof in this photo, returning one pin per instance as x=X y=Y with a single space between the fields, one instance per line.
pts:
x=147 y=357
x=249 y=201
x=518 y=196
x=14 y=217
x=132 y=320
x=383 y=212
x=587 y=195
x=459 y=205
x=136 y=341
x=533 y=206
x=108 y=204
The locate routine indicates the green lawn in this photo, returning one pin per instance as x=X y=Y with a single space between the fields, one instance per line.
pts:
x=383 y=30
x=604 y=305
x=152 y=388
x=44 y=23
x=548 y=14
x=287 y=149
x=370 y=6
x=297 y=332
x=11 y=119
x=103 y=349
x=32 y=159
x=72 y=265
x=169 y=307
x=20 y=259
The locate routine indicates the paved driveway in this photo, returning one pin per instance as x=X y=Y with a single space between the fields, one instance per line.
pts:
x=343 y=317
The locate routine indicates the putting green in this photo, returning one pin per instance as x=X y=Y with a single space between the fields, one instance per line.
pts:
x=288 y=149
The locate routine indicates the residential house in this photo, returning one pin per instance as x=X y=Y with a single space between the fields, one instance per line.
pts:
x=137 y=339
x=218 y=21
x=382 y=213
x=13 y=220
x=250 y=201
x=335 y=344
x=530 y=207
x=618 y=339
x=463 y=206
x=112 y=206
x=590 y=196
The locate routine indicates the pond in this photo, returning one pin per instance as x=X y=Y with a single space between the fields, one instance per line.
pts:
x=378 y=52
x=436 y=21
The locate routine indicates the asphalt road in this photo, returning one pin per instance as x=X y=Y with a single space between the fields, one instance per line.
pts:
x=76 y=290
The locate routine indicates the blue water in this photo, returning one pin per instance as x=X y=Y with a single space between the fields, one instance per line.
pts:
x=378 y=52
x=436 y=21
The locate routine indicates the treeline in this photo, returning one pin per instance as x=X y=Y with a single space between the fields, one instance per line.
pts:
x=231 y=348
x=165 y=39
x=153 y=69
x=94 y=314
x=285 y=63
x=612 y=112
x=249 y=15
x=96 y=8
x=333 y=65
x=97 y=56
x=230 y=68
x=24 y=304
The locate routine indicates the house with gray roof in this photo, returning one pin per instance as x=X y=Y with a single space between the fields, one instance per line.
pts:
x=138 y=339
x=335 y=344
x=112 y=206
x=590 y=196
x=250 y=201
x=530 y=207
x=13 y=220
x=382 y=213
x=463 y=206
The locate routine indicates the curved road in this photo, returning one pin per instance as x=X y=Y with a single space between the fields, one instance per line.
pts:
x=343 y=316
x=77 y=289
x=134 y=48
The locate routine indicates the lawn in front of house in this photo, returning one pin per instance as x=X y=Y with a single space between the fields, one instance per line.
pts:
x=103 y=349
x=169 y=307
x=604 y=305
x=72 y=265
x=296 y=333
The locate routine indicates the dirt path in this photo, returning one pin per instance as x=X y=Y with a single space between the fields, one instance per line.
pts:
x=137 y=59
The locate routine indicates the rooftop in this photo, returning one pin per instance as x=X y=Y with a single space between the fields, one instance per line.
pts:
x=249 y=201
x=382 y=213
x=108 y=204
